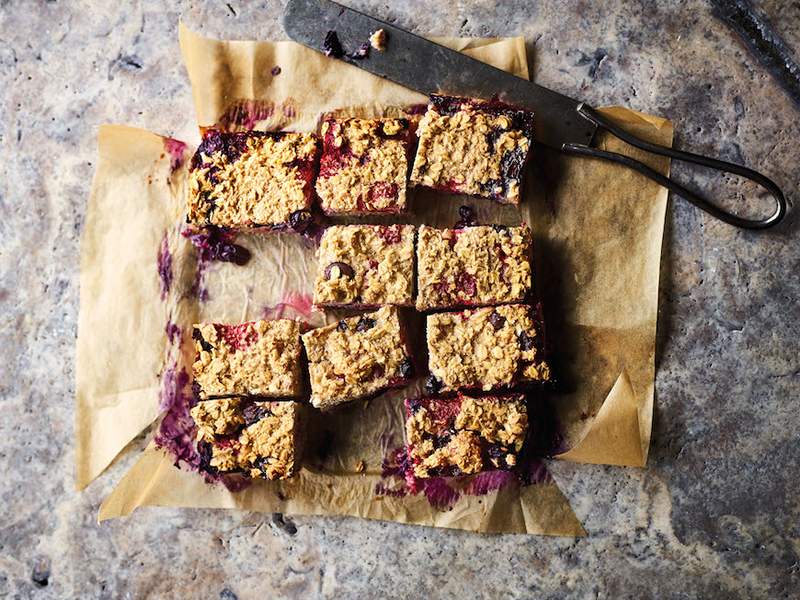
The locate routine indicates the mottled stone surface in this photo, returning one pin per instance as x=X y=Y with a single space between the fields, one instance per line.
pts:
x=716 y=513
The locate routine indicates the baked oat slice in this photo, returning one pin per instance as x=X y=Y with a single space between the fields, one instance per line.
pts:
x=357 y=358
x=257 y=358
x=464 y=435
x=363 y=167
x=473 y=147
x=365 y=266
x=259 y=439
x=473 y=266
x=252 y=179
x=486 y=349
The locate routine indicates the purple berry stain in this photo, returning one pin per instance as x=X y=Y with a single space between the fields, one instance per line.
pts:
x=164 y=266
x=173 y=332
x=213 y=244
x=177 y=152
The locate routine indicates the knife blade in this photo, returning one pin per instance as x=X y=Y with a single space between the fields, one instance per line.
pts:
x=428 y=67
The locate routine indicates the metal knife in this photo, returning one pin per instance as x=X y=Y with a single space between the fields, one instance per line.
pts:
x=562 y=123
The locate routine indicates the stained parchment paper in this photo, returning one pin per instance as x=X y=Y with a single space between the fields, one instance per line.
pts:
x=598 y=235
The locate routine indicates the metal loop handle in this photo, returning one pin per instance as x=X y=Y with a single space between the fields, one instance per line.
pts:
x=592 y=115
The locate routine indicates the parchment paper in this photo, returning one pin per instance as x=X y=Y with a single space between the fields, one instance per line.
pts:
x=598 y=237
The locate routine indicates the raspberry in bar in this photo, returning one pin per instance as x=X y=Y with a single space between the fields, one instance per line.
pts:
x=464 y=435
x=365 y=266
x=252 y=179
x=363 y=166
x=473 y=266
x=485 y=348
x=473 y=147
x=357 y=358
x=260 y=439
x=258 y=358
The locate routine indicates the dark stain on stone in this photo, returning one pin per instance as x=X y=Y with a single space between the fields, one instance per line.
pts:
x=41 y=573
x=594 y=61
x=763 y=42
x=227 y=594
x=230 y=8
x=284 y=524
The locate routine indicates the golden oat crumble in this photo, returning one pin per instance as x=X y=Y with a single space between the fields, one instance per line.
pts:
x=362 y=170
x=485 y=348
x=217 y=417
x=269 y=448
x=464 y=152
x=378 y=40
x=369 y=265
x=460 y=442
x=263 y=186
x=356 y=357
x=472 y=266
x=259 y=358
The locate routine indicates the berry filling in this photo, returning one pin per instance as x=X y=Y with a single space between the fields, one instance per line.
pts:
x=239 y=337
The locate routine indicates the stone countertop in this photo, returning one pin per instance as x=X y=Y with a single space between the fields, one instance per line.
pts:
x=715 y=514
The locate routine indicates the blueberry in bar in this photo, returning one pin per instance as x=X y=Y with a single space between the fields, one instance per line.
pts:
x=259 y=439
x=357 y=358
x=473 y=147
x=473 y=266
x=464 y=435
x=252 y=179
x=365 y=266
x=257 y=358
x=485 y=348
x=363 y=166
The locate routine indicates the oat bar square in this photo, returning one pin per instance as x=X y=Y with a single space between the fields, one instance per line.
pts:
x=365 y=266
x=363 y=166
x=473 y=266
x=473 y=147
x=252 y=179
x=259 y=439
x=257 y=358
x=357 y=358
x=464 y=435
x=485 y=349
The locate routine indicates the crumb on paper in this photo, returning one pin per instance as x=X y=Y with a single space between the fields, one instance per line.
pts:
x=361 y=466
x=378 y=40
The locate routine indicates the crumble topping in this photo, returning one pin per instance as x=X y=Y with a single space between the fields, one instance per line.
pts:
x=472 y=266
x=269 y=446
x=363 y=166
x=367 y=265
x=258 y=358
x=356 y=357
x=465 y=435
x=378 y=40
x=251 y=179
x=217 y=417
x=473 y=147
x=485 y=348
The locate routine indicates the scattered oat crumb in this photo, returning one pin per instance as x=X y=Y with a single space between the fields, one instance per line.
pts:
x=360 y=466
x=378 y=40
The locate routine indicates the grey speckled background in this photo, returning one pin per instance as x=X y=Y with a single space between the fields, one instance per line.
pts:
x=714 y=515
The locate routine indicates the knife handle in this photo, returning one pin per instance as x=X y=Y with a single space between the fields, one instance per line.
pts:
x=601 y=122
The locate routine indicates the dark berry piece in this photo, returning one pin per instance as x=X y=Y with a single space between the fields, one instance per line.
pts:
x=496 y=451
x=406 y=368
x=261 y=464
x=253 y=413
x=332 y=46
x=203 y=343
x=466 y=217
x=344 y=269
x=204 y=453
x=362 y=52
x=497 y=320
x=502 y=229
x=432 y=385
x=365 y=324
x=275 y=71
x=342 y=325
x=526 y=342
x=299 y=220
x=414 y=405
